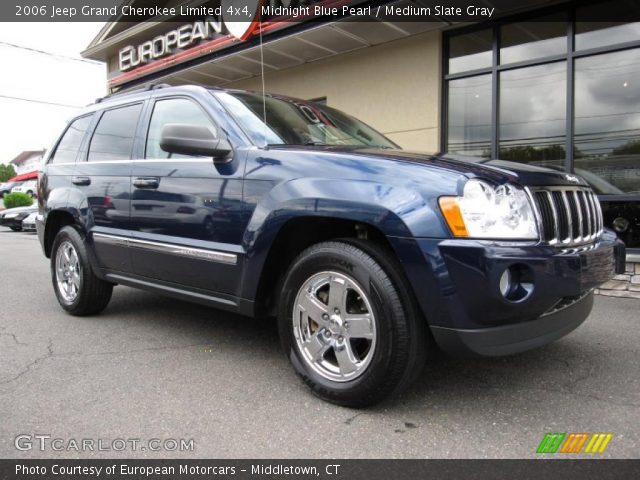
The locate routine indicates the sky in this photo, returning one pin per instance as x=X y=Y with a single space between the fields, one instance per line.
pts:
x=26 y=125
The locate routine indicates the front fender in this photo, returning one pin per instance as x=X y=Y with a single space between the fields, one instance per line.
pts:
x=396 y=211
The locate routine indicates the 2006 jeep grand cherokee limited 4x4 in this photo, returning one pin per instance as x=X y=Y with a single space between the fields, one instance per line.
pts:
x=368 y=255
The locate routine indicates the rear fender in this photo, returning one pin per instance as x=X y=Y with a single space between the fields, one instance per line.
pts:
x=71 y=202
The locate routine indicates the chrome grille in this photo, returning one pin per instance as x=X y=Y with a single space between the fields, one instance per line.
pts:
x=567 y=215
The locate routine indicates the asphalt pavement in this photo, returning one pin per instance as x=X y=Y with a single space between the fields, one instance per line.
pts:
x=218 y=385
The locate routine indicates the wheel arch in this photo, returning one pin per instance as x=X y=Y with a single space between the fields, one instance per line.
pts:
x=56 y=220
x=297 y=213
x=293 y=237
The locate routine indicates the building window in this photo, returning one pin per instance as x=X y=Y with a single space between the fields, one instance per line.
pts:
x=469 y=117
x=607 y=121
x=595 y=34
x=526 y=41
x=561 y=92
x=532 y=118
x=470 y=52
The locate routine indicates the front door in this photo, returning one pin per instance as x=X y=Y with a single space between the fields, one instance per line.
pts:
x=184 y=209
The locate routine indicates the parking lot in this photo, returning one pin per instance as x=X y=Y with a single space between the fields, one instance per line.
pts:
x=151 y=367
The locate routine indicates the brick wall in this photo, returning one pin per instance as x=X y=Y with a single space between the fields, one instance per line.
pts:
x=624 y=285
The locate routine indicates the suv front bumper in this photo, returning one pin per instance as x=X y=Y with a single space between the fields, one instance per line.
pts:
x=469 y=315
x=516 y=337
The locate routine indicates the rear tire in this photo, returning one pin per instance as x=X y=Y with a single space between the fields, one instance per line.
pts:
x=78 y=290
x=349 y=324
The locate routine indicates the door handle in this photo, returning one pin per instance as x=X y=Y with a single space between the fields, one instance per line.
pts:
x=146 y=182
x=81 y=181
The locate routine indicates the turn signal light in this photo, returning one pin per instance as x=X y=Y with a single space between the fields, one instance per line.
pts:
x=451 y=211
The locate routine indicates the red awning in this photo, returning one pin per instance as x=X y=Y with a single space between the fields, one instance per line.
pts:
x=25 y=176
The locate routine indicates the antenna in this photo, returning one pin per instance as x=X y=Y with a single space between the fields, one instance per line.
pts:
x=264 y=102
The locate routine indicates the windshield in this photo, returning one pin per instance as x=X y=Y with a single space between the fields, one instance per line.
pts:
x=298 y=122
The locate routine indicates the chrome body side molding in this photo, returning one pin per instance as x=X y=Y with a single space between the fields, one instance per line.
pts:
x=173 y=249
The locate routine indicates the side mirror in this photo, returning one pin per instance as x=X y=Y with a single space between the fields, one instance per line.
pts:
x=194 y=140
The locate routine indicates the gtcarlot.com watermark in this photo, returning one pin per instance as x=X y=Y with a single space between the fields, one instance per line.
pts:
x=42 y=443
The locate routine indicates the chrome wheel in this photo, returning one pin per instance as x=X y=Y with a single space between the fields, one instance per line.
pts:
x=68 y=272
x=334 y=326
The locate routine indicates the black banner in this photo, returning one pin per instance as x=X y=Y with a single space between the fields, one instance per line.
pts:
x=318 y=469
x=449 y=11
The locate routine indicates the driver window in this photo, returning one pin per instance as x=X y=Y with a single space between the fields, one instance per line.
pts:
x=172 y=110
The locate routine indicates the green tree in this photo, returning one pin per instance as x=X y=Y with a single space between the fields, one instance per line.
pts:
x=630 y=148
x=528 y=153
x=6 y=172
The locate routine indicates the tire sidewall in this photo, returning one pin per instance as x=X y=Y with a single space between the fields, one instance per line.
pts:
x=71 y=235
x=343 y=261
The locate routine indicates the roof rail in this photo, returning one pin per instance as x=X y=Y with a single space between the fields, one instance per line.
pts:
x=146 y=88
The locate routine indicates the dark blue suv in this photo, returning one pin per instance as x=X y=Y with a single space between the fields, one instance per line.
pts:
x=369 y=256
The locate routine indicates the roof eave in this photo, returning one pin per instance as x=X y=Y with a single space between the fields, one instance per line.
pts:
x=99 y=47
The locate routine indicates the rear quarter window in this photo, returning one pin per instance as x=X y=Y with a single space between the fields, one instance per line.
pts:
x=68 y=146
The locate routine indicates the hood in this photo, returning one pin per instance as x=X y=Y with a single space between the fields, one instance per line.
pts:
x=30 y=209
x=499 y=171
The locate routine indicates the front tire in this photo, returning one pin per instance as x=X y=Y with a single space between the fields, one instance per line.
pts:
x=349 y=324
x=78 y=290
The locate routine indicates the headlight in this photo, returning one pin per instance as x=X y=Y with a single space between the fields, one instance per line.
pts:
x=484 y=211
x=10 y=215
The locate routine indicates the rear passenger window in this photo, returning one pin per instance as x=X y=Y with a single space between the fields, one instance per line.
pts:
x=172 y=110
x=113 y=137
x=69 y=144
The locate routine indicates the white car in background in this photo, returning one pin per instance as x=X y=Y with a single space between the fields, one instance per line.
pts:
x=29 y=187
x=29 y=223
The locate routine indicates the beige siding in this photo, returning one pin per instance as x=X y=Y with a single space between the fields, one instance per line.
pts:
x=394 y=87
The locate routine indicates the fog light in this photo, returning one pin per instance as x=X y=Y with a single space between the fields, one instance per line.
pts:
x=505 y=283
x=517 y=283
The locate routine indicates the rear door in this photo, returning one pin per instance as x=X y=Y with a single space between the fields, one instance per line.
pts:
x=56 y=186
x=102 y=177
x=184 y=209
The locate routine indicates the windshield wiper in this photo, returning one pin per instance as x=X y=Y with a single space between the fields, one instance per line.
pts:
x=321 y=144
